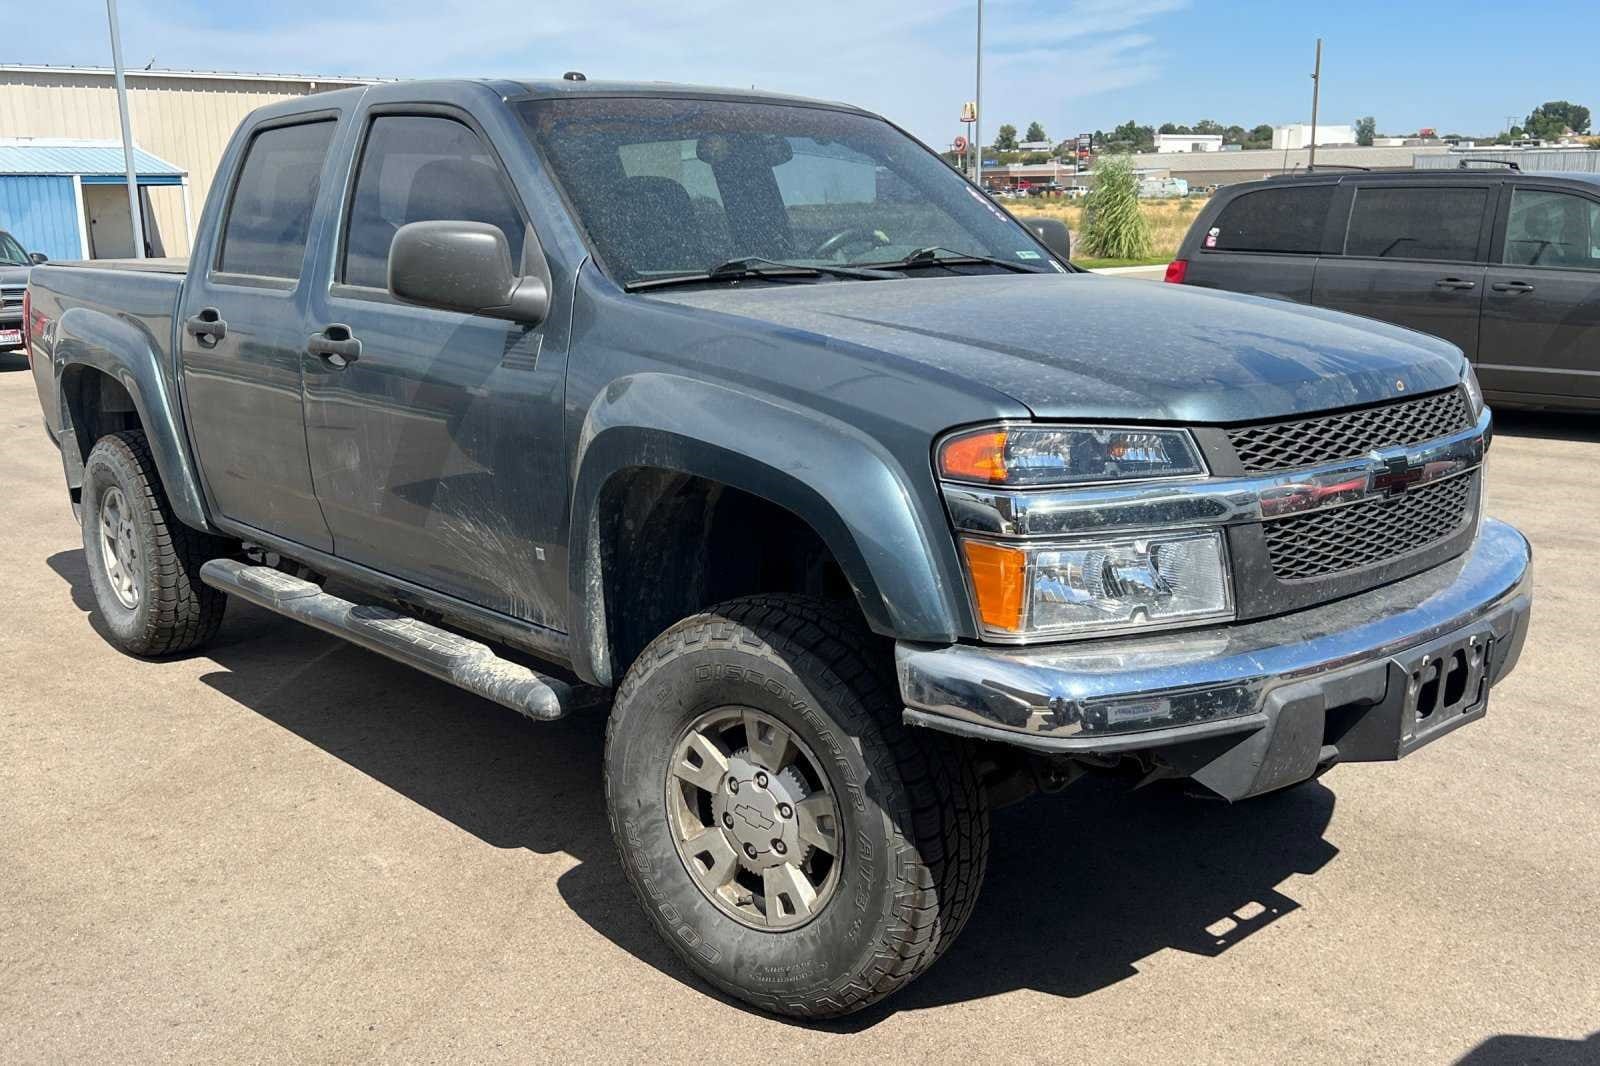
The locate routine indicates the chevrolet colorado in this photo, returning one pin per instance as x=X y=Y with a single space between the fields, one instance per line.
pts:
x=748 y=418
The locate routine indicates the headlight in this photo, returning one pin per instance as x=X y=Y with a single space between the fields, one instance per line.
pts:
x=1469 y=378
x=1029 y=591
x=1037 y=455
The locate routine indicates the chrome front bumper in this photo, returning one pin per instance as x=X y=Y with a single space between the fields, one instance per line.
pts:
x=1368 y=653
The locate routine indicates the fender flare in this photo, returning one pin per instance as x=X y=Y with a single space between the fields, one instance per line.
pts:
x=841 y=482
x=126 y=351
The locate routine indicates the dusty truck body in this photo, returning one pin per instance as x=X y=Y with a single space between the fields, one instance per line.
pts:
x=746 y=417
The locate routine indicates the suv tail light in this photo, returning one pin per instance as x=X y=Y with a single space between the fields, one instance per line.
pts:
x=1177 y=270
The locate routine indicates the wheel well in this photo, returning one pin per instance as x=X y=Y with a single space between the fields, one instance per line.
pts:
x=96 y=404
x=672 y=545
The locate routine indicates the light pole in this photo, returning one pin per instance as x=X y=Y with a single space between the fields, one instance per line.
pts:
x=1316 y=86
x=127 y=132
x=977 y=118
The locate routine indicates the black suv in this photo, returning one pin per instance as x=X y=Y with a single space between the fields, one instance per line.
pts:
x=1502 y=263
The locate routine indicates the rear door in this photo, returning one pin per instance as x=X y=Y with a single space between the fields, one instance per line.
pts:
x=1265 y=242
x=1541 y=309
x=1414 y=255
x=244 y=330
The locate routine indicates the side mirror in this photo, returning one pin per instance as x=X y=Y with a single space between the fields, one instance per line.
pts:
x=1053 y=234
x=463 y=266
x=37 y=257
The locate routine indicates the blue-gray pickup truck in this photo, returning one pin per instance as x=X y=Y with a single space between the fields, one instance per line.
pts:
x=749 y=419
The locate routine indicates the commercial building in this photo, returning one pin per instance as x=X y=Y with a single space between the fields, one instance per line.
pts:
x=69 y=198
x=1188 y=142
x=181 y=119
x=1298 y=135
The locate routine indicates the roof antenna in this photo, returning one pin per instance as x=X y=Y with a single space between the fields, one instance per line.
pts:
x=573 y=75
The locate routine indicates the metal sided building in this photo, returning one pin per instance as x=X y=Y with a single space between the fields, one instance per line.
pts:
x=69 y=198
x=182 y=117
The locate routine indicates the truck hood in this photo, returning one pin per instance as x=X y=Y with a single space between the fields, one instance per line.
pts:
x=13 y=275
x=1089 y=346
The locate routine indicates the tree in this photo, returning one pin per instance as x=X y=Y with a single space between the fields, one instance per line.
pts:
x=1209 y=126
x=1132 y=136
x=1173 y=127
x=1234 y=135
x=1036 y=133
x=1366 y=129
x=1114 y=227
x=1551 y=120
x=1006 y=139
x=1261 y=135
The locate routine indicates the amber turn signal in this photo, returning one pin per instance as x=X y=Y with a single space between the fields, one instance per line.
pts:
x=979 y=456
x=998 y=577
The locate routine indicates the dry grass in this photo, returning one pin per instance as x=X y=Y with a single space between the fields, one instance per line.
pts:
x=1169 y=219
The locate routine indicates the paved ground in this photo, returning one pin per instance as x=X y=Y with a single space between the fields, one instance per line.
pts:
x=290 y=849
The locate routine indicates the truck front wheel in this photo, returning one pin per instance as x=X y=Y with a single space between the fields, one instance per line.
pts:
x=144 y=565
x=797 y=845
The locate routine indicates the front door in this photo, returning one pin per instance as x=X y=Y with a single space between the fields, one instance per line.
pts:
x=243 y=333
x=436 y=448
x=1413 y=255
x=1541 y=311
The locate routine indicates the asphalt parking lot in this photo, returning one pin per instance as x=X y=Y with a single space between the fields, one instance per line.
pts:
x=291 y=849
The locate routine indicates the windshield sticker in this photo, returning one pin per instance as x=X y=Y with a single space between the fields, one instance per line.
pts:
x=1211 y=236
x=1023 y=253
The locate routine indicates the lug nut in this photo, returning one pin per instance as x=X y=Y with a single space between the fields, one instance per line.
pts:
x=750 y=850
x=727 y=819
x=761 y=779
x=785 y=811
x=777 y=846
x=733 y=785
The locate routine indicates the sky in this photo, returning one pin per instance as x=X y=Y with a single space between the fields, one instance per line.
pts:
x=1072 y=65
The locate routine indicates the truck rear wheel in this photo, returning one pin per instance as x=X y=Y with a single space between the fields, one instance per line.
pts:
x=144 y=565
x=797 y=845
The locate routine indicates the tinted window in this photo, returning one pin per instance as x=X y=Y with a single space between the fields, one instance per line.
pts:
x=422 y=169
x=271 y=210
x=1553 y=229
x=1289 y=219
x=668 y=187
x=1416 y=223
x=11 y=253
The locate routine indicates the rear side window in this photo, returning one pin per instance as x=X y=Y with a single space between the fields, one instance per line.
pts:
x=1553 y=229
x=1289 y=219
x=270 y=214
x=1416 y=223
x=422 y=168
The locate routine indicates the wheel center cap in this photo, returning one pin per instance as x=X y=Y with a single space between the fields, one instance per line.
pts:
x=752 y=816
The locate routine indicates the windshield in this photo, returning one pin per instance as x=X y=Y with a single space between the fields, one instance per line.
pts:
x=11 y=253
x=667 y=187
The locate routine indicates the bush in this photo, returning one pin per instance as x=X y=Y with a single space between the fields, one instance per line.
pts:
x=1114 y=227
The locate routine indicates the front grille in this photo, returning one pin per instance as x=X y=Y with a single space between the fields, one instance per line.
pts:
x=1374 y=531
x=10 y=298
x=1329 y=438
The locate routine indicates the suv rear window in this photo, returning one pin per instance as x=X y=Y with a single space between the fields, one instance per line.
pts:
x=1289 y=219
x=1416 y=223
x=270 y=215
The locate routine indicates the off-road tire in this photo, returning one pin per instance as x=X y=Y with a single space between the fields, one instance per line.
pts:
x=175 y=612
x=915 y=819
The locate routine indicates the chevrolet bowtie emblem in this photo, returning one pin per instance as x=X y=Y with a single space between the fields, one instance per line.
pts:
x=1398 y=475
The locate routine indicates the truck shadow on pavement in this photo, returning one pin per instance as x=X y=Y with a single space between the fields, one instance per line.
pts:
x=1546 y=425
x=1081 y=886
x=1512 y=1050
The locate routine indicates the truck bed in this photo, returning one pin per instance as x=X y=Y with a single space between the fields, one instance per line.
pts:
x=174 y=264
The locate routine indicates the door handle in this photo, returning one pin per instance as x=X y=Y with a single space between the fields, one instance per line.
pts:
x=207 y=326
x=1455 y=283
x=1515 y=287
x=336 y=345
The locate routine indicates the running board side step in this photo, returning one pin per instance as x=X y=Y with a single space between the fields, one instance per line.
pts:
x=461 y=661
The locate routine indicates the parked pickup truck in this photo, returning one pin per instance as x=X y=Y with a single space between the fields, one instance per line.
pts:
x=749 y=418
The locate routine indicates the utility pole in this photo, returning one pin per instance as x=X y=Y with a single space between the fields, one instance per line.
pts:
x=977 y=118
x=127 y=132
x=1316 y=86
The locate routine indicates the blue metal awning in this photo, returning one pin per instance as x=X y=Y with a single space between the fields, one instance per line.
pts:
x=95 y=162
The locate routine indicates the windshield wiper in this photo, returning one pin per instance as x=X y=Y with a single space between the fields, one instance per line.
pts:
x=930 y=256
x=755 y=266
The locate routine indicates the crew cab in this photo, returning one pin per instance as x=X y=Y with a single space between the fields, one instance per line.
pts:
x=747 y=423
x=1502 y=263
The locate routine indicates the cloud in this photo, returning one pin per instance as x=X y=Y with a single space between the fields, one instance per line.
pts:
x=912 y=61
